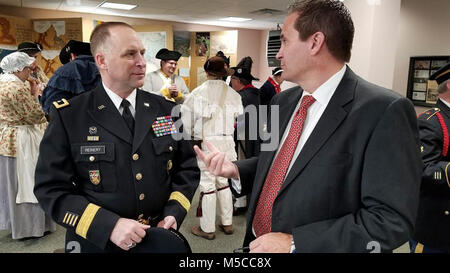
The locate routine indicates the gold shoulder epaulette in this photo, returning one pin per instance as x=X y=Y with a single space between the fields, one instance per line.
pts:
x=429 y=113
x=61 y=103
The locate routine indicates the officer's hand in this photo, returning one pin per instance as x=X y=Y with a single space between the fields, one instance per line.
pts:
x=216 y=162
x=273 y=242
x=127 y=233
x=168 y=222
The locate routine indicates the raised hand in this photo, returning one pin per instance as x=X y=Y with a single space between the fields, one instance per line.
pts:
x=216 y=162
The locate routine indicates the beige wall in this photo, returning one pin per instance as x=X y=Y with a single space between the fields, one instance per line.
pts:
x=375 y=42
x=249 y=44
x=249 y=41
x=424 y=31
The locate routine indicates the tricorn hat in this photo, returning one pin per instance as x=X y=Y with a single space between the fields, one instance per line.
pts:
x=442 y=74
x=160 y=240
x=75 y=47
x=29 y=47
x=166 y=55
x=242 y=72
x=215 y=66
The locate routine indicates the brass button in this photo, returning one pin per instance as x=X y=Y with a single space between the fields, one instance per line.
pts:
x=138 y=176
x=447 y=212
x=141 y=196
x=91 y=158
x=135 y=157
x=170 y=148
x=169 y=165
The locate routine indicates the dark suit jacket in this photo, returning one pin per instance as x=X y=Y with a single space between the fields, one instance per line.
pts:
x=356 y=179
x=86 y=186
x=433 y=219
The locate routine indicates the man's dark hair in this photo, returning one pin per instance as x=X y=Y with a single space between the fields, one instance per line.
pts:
x=330 y=17
x=101 y=34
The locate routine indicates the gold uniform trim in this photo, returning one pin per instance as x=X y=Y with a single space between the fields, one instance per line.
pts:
x=419 y=248
x=446 y=174
x=65 y=217
x=180 y=198
x=86 y=220
x=437 y=110
x=61 y=103
x=443 y=73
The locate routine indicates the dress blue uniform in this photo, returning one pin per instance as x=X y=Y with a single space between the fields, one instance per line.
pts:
x=92 y=170
x=433 y=219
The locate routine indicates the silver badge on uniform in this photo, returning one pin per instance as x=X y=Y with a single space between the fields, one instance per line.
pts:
x=92 y=130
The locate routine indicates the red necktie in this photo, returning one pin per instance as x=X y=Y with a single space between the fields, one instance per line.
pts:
x=262 y=222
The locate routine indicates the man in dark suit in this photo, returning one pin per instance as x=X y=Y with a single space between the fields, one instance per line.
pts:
x=346 y=174
x=109 y=167
x=433 y=219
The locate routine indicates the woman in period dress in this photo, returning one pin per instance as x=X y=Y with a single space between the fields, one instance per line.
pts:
x=22 y=123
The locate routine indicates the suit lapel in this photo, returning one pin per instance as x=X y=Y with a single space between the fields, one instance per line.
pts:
x=146 y=112
x=331 y=119
x=105 y=113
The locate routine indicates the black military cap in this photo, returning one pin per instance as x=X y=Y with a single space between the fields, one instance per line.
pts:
x=75 y=47
x=242 y=72
x=442 y=74
x=277 y=71
x=166 y=55
x=29 y=47
x=160 y=240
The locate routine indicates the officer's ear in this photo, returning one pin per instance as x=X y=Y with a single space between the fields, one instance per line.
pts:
x=101 y=61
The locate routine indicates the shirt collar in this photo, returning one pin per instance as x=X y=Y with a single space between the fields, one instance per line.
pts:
x=324 y=93
x=445 y=102
x=117 y=100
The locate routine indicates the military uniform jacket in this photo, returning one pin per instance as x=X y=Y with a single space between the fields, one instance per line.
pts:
x=91 y=170
x=250 y=97
x=433 y=220
x=355 y=183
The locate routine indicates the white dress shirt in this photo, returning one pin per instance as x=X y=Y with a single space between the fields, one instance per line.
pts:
x=445 y=102
x=117 y=100
x=322 y=95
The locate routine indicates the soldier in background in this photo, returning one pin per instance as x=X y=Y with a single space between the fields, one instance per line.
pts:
x=433 y=219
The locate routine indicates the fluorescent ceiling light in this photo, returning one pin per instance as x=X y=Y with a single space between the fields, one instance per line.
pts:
x=235 y=19
x=110 y=5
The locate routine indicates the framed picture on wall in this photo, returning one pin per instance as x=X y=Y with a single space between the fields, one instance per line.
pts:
x=421 y=91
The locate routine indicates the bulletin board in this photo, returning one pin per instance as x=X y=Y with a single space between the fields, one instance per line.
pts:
x=421 y=91
x=53 y=35
x=225 y=41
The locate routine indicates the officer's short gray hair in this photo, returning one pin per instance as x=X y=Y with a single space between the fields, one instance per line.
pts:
x=442 y=88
